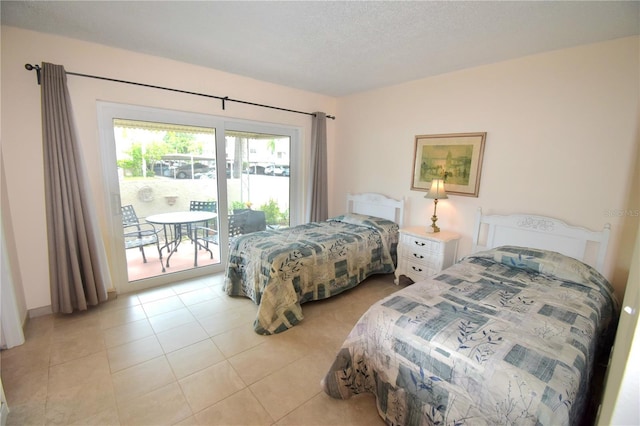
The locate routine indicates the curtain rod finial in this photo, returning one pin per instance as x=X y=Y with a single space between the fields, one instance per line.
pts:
x=36 y=67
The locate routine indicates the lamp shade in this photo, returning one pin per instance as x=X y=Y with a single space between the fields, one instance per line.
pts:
x=437 y=192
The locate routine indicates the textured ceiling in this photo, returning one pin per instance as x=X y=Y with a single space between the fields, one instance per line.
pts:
x=335 y=48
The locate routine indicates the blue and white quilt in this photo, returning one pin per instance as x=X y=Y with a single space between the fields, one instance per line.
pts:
x=281 y=269
x=506 y=336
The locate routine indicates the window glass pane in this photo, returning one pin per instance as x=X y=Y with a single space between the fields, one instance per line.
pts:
x=167 y=168
x=258 y=172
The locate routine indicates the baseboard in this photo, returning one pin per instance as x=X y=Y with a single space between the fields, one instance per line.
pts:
x=46 y=310
x=40 y=312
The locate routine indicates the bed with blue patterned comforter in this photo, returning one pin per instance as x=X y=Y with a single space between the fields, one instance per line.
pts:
x=506 y=336
x=281 y=269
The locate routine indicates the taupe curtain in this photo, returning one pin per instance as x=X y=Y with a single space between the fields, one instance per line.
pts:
x=76 y=252
x=319 y=209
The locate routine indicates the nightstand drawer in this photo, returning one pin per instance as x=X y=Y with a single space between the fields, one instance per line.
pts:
x=420 y=246
x=416 y=256
x=417 y=270
x=422 y=259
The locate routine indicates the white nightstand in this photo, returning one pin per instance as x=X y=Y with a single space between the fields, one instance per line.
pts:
x=422 y=254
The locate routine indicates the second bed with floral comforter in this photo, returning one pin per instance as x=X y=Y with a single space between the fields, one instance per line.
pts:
x=506 y=336
x=281 y=269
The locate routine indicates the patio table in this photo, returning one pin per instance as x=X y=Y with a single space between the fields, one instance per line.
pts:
x=176 y=220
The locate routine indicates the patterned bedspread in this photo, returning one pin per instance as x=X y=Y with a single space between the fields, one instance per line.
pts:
x=507 y=336
x=279 y=270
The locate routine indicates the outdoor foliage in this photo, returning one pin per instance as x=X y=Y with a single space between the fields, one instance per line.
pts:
x=172 y=143
x=273 y=214
x=271 y=210
x=237 y=205
x=182 y=143
x=134 y=163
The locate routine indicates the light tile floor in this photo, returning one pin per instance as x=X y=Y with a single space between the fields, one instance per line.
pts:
x=185 y=354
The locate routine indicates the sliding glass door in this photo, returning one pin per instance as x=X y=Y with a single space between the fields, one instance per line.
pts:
x=179 y=185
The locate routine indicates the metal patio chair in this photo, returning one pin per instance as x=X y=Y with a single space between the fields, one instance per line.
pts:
x=138 y=235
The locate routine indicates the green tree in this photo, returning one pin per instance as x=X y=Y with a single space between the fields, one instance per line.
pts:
x=271 y=146
x=153 y=153
x=182 y=143
x=134 y=163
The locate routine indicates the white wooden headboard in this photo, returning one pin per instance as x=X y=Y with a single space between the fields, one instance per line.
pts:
x=378 y=205
x=542 y=233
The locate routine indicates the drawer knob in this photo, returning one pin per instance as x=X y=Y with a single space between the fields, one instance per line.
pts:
x=420 y=243
x=419 y=256
x=416 y=269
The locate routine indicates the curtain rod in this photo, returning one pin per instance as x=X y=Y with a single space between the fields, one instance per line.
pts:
x=224 y=99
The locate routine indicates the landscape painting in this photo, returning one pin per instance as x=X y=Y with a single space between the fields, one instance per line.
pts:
x=456 y=158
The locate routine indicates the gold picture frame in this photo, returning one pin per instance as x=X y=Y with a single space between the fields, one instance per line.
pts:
x=455 y=157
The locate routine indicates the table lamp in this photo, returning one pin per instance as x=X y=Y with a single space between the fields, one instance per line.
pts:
x=436 y=193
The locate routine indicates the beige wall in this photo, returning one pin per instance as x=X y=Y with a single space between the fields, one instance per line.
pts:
x=21 y=124
x=562 y=132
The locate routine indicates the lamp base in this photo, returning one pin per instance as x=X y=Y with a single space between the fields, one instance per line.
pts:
x=434 y=218
x=433 y=227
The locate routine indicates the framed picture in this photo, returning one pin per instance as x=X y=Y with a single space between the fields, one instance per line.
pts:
x=456 y=157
